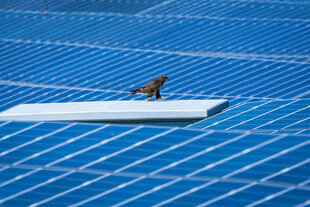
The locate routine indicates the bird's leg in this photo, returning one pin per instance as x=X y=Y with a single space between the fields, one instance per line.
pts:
x=150 y=99
x=164 y=97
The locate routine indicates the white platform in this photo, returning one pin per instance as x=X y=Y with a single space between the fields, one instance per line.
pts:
x=115 y=111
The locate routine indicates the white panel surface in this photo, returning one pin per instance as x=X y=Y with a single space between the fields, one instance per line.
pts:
x=115 y=110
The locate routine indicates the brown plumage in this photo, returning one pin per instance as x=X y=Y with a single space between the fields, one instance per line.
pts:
x=152 y=88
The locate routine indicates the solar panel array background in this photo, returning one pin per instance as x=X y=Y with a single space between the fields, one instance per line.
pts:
x=253 y=53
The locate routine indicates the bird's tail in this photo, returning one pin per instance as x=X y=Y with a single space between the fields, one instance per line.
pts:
x=133 y=91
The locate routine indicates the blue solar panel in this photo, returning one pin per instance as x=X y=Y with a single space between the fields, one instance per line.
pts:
x=236 y=9
x=253 y=53
x=123 y=70
x=192 y=35
x=287 y=116
x=80 y=5
x=83 y=164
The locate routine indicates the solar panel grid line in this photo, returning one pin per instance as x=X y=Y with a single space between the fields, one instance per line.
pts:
x=101 y=177
x=46 y=62
x=278 y=194
x=107 y=192
x=250 y=185
x=33 y=187
x=302 y=120
x=173 y=71
x=301 y=95
x=231 y=81
x=293 y=85
x=271 y=76
x=292 y=41
x=201 y=169
x=242 y=112
x=274 y=80
x=190 y=16
x=226 y=195
x=214 y=33
x=306 y=203
x=55 y=146
x=179 y=73
x=10 y=51
x=19 y=177
x=141 y=27
x=285 y=151
x=139 y=161
x=261 y=115
x=92 y=147
x=17 y=132
x=235 y=34
x=19 y=70
x=209 y=166
x=147 y=192
x=128 y=148
x=21 y=55
x=286 y=115
x=224 y=11
x=209 y=149
x=244 y=56
x=41 y=95
x=4 y=123
x=231 y=174
x=137 y=179
x=145 y=11
x=16 y=97
x=186 y=37
x=93 y=71
x=70 y=70
x=108 y=28
x=215 y=76
x=130 y=73
x=53 y=163
x=139 y=75
x=249 y=39
x=251 y=42
x=33 y=141
x=63 y=63
x=52 y=86
x=271 y=88
x=281 y=39
x=185 y=193
x=63 y=67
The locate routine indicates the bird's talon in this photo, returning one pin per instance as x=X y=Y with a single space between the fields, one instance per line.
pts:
x=164 y=97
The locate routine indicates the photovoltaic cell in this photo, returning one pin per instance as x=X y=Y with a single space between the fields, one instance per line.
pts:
x=256 y=54
x=122 y=70
x=86 y=164
x=236 y=9
x=129 y=7
x=192 y=35
x=284 y=116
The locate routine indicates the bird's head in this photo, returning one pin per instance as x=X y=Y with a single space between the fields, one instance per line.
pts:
x=163 y=78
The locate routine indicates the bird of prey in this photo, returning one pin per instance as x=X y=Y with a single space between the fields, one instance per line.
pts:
x=152 y=88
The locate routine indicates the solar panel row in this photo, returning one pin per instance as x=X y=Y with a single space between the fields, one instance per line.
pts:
x=228 y=9
x=197 y=35
x=78 y=164
x=128 y=6
x=123 y=70
x=287 y=116
x=287 y=10
x=62 y=57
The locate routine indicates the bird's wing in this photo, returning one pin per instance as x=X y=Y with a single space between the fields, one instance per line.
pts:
x=150 y=83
